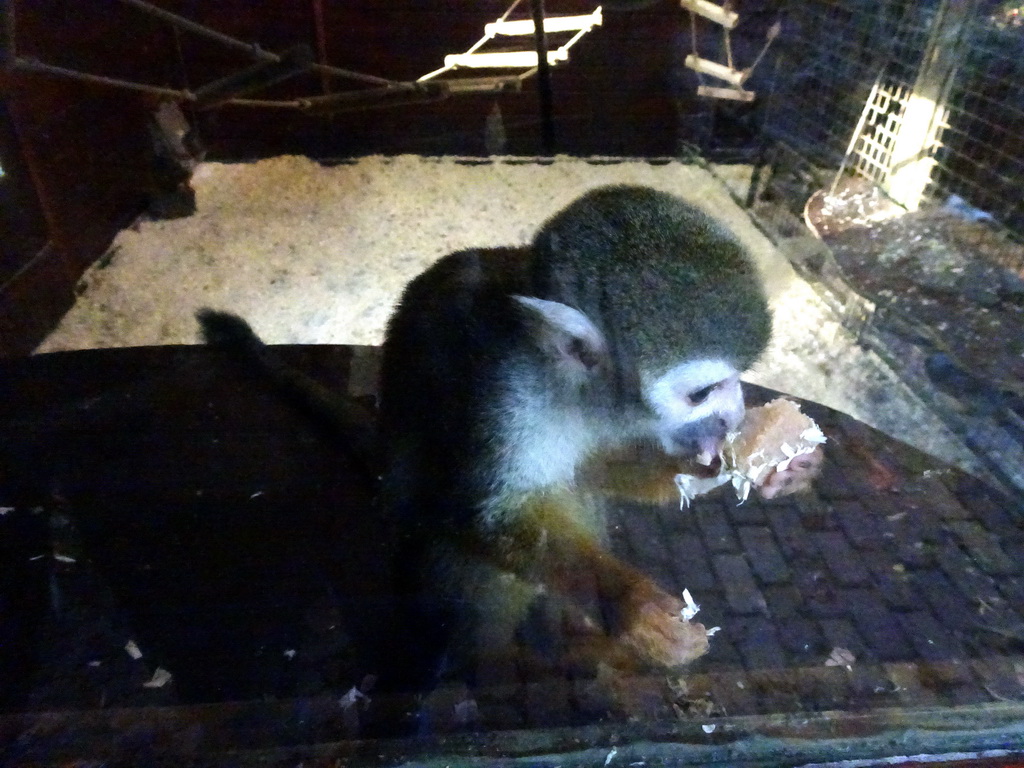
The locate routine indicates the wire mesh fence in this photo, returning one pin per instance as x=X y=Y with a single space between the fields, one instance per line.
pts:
x=923 y=97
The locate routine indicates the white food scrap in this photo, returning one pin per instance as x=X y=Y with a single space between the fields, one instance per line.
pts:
x=691 y=609
x=160 y=678
x=841 y=657
x=353 y=697
x=133 y=650
x=691 y=487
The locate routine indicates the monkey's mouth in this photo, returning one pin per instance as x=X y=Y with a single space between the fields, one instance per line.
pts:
x=712 y=468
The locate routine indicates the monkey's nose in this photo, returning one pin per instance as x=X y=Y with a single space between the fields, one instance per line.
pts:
x=702 y=440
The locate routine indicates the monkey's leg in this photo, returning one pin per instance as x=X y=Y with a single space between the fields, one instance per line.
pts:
x=545 y=544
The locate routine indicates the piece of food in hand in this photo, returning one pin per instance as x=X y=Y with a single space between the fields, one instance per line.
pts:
x=770 y=437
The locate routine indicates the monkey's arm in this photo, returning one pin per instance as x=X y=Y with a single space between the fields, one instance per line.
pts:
x=641 y=474
x=545 y=543
x=650 y=477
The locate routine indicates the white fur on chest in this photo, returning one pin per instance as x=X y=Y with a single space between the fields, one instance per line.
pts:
x=543 y=446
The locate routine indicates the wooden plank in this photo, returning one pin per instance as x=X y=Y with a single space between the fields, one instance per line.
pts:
x=524 y=27
x=504 y=60
x=733 y=94
x=732 y=76
x=709 y=10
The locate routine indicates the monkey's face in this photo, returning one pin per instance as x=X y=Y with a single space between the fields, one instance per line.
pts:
x=696 y=404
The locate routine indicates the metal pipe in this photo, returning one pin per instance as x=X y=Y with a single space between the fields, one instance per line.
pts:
x=256 y=77
x=547 y=123
x=181 y=22
x=31 y=65
x=253 y=49
x=321 y=42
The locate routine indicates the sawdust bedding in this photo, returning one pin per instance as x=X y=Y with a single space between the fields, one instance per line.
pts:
x=318 y=255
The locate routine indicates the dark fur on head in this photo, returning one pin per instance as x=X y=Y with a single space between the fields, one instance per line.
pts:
x=647 y=254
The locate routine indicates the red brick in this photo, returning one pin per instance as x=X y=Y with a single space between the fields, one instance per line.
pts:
x=843 y=561
x=879 y=628
x=931 y=639
x=691 y=563
x=765 y=558
x=757 y=643
x=984 y=548
x=741 y=590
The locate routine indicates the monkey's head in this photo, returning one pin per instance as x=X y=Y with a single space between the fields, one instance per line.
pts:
x=658 y=310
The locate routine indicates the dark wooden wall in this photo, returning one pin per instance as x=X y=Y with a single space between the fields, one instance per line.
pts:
x=78 y=158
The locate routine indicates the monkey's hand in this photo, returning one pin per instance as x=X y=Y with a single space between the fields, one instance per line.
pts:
x=794 y=478
x=658 y=633
x=547 y=544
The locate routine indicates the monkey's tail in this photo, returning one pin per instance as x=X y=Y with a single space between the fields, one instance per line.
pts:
x=355 y=424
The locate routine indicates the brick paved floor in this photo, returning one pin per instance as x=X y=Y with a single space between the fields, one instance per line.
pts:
x=908 y=574
x=914 y=569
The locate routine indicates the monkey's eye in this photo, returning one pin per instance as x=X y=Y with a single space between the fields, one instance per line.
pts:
x=698 y=397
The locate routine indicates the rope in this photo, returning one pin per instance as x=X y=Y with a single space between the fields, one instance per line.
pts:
x=693 y=43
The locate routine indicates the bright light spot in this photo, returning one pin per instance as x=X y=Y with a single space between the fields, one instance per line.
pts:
x=912 y=155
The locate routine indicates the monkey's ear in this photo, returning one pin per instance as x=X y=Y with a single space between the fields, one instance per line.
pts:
x=566 y=334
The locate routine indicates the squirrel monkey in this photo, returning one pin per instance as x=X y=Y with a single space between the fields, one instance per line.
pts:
x=508 y=372
x=510 y=375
